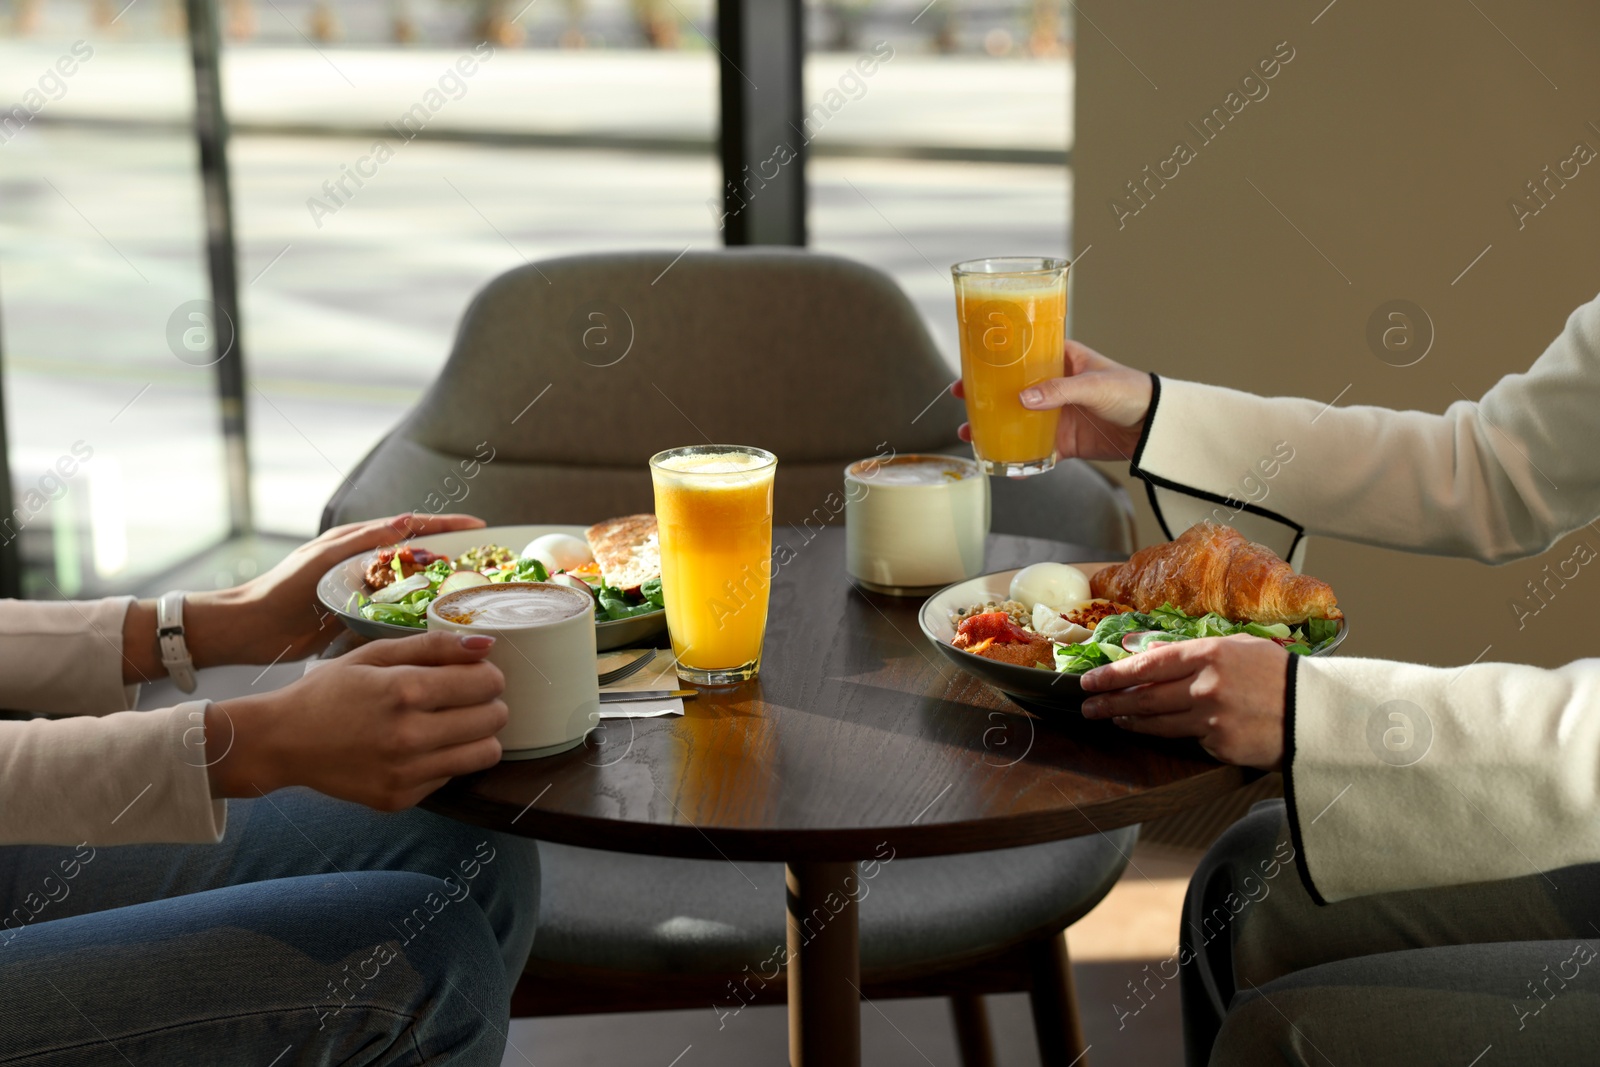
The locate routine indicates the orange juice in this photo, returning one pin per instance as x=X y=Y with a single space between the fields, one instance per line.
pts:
x=714 y=512
x=1012 y=313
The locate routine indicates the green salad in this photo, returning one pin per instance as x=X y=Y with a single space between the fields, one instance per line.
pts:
x=614 y=604
x=1123 y=635
x=404 y=602
x=410 y=607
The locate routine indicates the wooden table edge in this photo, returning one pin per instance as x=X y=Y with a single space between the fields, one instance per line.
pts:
x=857 y=843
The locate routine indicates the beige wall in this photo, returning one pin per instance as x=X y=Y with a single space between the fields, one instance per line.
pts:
x=1393 y=139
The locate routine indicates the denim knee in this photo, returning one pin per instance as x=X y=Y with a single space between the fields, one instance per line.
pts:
x=499 y=871
x=448 y=977
x=376 y=967
x=508 y=894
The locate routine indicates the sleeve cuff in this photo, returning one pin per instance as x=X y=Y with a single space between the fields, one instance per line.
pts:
x=1177 y=503
x=1149 y=422
x=199 y=817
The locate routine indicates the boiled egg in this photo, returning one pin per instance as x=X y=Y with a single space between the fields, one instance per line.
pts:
x=1048 y=623
x=1055 y=585
x=559 y=551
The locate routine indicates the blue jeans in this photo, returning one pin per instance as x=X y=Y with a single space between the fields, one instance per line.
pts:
x=317 y=932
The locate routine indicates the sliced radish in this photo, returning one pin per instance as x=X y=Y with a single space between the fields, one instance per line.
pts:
x=461 y=580
x=396 y=591
x=573 y=582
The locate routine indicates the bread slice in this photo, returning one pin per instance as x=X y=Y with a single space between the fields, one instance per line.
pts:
x=628 y=550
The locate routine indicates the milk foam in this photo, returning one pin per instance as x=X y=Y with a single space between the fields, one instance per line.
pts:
x=513 y=605
x=910 y=470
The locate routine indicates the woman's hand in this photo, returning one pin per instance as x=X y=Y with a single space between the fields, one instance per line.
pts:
x=1103 y=404
x=276 y=616
x=1226 y=691
x=383 y=726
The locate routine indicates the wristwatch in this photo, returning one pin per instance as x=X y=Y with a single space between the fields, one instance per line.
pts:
x=169 y=635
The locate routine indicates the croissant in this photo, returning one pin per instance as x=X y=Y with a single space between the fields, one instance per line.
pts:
x=1213 y=568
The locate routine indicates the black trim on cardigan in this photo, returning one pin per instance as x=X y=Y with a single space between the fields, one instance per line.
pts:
x=1151 y=481
x=1299 y=535
x=1214 y=498
x=1155 y=506
x=1149 y=421
x=1295 y=838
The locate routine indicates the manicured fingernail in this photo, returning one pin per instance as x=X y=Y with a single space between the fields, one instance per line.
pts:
x=477 y=641
x=1092 y=709
x=1031 y=397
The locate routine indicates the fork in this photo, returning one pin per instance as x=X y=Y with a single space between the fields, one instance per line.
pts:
x=628 y=670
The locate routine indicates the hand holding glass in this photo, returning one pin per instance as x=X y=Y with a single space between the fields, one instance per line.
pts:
x=1012 y=311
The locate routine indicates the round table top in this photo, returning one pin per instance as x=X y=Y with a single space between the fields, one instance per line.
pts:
x=857 y=732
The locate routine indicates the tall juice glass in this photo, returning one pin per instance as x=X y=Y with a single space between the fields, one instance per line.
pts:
x=714 y=511
x=1012 y=312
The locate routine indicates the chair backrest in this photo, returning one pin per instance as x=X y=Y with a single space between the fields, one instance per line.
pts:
x=568 y=374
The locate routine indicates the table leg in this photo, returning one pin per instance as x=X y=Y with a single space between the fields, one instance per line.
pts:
x=824 y=965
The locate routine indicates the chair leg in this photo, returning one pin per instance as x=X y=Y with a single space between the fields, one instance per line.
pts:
x=1055 y=1003
x=972 y=1030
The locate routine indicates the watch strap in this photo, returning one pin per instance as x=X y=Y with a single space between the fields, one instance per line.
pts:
x=170 y=637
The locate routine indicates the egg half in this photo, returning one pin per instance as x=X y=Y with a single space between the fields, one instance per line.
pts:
x=559 y=551
x=1055 y=585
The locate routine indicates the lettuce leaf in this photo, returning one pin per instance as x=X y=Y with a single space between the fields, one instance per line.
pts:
x=614 y=604
x=1143 y=640
x=410 y=612
x=524 y=570
x=1112 y=627
x=1170 y=619
x=1319 y=631
x=1075 y=659
x=1277 y=629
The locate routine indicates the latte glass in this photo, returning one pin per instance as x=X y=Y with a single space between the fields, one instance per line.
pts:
x=914 y=523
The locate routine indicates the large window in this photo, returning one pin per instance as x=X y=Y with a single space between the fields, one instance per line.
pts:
x=360 y=251
x=387 y=160
x=115 y=442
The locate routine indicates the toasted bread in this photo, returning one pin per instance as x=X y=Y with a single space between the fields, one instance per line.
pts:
x=627 y=549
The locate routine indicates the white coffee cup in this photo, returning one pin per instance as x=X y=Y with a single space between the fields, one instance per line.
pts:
x=544 y=645
x=914 y=523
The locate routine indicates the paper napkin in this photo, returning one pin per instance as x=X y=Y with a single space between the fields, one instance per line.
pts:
x=659 y=673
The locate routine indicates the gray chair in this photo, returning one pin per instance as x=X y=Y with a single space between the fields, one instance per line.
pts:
x=570 y=373
x=574 y=371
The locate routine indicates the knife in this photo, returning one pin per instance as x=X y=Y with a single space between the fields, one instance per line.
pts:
x=624 y=696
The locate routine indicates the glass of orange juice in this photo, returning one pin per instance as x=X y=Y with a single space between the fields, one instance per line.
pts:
x=1013 y=312
x=714 y=513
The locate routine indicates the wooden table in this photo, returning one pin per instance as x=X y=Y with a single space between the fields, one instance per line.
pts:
x=857 y=732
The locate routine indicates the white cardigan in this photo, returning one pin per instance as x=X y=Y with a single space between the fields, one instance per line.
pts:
x=102 y=774
x=1511 y=782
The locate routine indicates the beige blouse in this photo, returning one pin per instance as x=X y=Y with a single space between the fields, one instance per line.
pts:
x=97 y=773
x=1510 y=780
